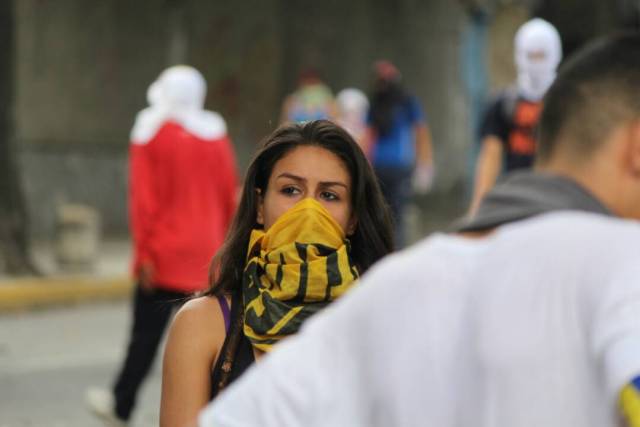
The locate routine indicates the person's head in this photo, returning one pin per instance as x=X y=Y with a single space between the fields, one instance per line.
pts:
x=316 y=159
x=352 y=101
x=182 y=87
x=308 y=76
x=537 y=53
x=154 y=94
x=386 y=78
x=386 y=95
x=590 y=124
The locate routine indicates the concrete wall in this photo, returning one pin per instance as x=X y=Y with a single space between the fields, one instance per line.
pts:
x=238 y=47
x=81 y=75
x=83 y=68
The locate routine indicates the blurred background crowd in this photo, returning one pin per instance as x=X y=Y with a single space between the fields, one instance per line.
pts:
x=73 y=76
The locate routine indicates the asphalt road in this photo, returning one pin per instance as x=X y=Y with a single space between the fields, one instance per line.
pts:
x=49 y=357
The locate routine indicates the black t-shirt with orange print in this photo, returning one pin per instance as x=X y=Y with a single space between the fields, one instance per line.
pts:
x=513 y=120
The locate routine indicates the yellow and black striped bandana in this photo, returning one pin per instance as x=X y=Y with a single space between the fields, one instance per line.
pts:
x=293 y=270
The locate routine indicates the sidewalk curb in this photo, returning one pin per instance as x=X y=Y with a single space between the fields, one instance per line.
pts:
x=25 y=293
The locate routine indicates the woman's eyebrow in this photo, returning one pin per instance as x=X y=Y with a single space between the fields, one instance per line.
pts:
x=333 y=183
x=291 y=176
x=302 y=179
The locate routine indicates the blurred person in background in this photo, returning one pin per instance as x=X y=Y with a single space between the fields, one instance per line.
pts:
x=507 y=133
x=352 y=114
x=399 y=143
x=457 y=330
x=181 y=202
x=311 y=220
x=312 y=100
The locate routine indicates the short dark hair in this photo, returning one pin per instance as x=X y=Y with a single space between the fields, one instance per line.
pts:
x=597 y=89
x=373 y=236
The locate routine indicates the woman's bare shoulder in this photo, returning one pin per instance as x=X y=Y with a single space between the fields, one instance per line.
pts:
x=205 y=306
x=200 y=320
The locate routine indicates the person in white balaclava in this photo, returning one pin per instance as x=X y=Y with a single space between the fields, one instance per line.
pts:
x=182 y=198
x=352 y=114
x=507 y=131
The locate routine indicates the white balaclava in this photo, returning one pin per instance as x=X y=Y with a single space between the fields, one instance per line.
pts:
x=182 y=88
x=538 y=52
x=352 y=108
x=352 y=101
x=178 y=95
x=154 y=94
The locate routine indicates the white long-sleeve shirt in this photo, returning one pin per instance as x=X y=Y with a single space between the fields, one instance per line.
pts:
x=535 y=325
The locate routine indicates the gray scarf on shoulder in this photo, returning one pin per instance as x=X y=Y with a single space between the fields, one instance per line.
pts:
x=525 y=194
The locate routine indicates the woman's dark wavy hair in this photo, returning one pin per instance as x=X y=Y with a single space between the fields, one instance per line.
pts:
x=372 y=238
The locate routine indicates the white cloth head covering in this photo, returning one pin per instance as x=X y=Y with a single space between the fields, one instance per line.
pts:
x=182 y=88
x=538 y=52
x=178 y=95
x=154 y=94
x=352 y=110
x=352 y=100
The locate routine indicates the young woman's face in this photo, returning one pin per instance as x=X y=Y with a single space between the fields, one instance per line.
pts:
x=308 y=171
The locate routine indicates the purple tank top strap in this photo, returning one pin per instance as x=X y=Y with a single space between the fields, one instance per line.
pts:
x=224 y=306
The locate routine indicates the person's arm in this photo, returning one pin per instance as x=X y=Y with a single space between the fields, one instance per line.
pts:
x=320 y=376
x=304 y=381
x=195 y=337
x=493 y=132
x=142 y=209
x=328 y=373
x=488 y=169
x=423 y=175
x=615 y=329
x=424 y=148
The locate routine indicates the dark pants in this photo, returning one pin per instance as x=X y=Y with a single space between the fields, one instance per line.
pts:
x=152 y=311
x=395 y=183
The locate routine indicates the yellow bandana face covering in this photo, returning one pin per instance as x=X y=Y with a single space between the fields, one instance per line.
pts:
x=293 y=270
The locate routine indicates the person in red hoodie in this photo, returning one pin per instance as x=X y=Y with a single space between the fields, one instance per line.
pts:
x=182 y=198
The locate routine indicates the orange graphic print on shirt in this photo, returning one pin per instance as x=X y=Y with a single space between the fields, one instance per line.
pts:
x=525 y=119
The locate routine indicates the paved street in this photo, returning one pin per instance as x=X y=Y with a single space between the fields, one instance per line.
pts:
x=49 y=357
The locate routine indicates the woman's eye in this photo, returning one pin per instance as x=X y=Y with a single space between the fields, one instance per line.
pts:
x=289 y=191
x=329 y=196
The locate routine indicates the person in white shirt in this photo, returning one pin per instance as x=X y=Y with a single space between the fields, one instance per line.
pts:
x=528 y=316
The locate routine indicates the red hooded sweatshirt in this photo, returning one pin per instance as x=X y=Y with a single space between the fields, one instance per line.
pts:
x=181 y=202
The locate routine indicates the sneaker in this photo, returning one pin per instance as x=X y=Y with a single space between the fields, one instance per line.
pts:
x=103 y=403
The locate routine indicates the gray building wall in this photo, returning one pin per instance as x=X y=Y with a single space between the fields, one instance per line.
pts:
x=81 y=72
x=83 y=68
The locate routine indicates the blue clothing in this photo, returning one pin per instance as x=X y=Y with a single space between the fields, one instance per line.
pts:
x=397 y=147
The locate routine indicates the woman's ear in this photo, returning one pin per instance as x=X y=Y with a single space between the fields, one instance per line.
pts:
x=634 y=151
x=352 y=225
x=259 y=207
